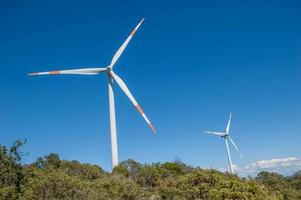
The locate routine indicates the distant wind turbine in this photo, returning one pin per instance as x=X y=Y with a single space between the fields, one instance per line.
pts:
x=226 y=136
x=111 y=78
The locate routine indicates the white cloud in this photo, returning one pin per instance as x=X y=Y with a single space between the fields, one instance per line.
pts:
x=281 y=165
x=273 y=163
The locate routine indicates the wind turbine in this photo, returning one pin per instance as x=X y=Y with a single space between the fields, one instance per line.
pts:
x=226 y=136
x=111 y=78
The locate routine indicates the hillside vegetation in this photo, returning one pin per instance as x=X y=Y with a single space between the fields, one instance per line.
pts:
x=50 y=177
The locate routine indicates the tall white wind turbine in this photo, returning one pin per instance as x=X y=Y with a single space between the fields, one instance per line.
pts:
x=226 y=136
x=111 y=78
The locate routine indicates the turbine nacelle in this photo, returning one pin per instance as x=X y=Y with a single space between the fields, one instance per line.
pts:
x=109 y=68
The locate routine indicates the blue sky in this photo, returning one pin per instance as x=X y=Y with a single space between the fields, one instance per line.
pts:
x=190 y=64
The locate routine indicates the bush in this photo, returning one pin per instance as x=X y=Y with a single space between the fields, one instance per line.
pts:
x=49 y=177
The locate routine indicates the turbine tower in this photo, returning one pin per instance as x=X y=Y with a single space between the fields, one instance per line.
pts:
x=226 y=136
x=111 y=78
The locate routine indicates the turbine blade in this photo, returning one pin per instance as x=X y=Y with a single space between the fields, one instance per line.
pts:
x=125 y=89
x=215 y=133
x=123 y=46
x=86 y=71
x=229 y=123
x=235 y=146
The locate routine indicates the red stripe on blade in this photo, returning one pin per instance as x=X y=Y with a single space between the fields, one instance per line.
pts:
x=152 y=127
x=139 y=109
x=133 y=32
x=54 y=72
x=31 y=74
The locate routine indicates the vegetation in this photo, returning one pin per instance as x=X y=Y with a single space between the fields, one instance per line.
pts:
x=50 y=177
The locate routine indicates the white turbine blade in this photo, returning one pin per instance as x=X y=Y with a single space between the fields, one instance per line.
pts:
x=123 y=46
x=87 y=71
x=215 y=133
x=125 y=89
x=235 y=146
x=229 y=123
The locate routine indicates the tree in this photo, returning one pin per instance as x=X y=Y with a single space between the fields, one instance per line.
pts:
x=277 y=182
x=295 y=180
x=11 y=172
